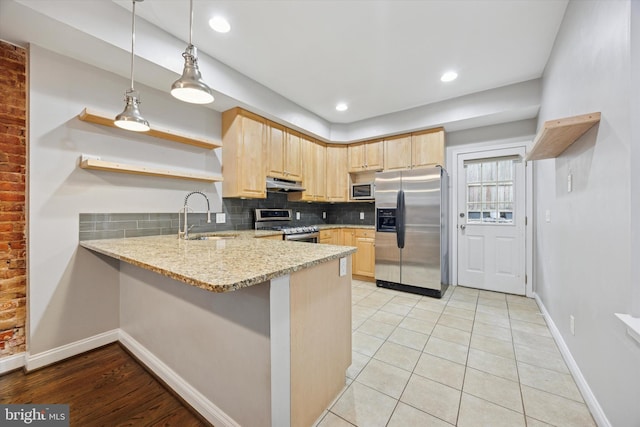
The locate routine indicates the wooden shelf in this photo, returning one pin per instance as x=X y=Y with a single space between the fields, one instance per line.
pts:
x=143 y=170
x=91 y=116
x=557 y=135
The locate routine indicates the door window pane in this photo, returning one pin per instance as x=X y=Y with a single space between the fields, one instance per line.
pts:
x=490 y=191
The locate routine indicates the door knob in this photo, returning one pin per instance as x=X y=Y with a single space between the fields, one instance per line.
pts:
x=462 y=227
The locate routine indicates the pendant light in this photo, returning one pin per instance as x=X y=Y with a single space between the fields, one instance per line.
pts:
x=130 y=118
x=190 y=87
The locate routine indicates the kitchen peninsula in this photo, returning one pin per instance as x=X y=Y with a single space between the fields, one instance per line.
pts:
x=250 y=331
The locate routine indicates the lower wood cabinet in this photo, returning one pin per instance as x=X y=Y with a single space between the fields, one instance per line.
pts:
x=364 y=260
x=330 y=236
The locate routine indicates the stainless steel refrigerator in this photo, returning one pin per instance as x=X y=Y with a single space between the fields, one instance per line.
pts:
x=412 y=252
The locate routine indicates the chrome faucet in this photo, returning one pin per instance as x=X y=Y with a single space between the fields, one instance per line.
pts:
x=185 y=234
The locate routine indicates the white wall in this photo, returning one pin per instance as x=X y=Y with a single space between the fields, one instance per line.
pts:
x=583 y=254
x=73 y=294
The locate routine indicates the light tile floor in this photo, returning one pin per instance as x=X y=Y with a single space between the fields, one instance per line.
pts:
x=473 y=358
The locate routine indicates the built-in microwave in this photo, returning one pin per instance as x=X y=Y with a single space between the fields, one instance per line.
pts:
x=363 y=191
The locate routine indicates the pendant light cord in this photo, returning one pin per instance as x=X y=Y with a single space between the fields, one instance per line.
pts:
x=133 y=40
x=190 y=22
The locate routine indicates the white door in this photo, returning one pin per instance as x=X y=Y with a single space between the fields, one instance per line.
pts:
x=491 y=220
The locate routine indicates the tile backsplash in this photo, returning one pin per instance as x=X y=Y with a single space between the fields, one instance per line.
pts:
x=239 y=216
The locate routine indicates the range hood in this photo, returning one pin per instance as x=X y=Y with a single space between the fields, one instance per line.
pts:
x=277 y=185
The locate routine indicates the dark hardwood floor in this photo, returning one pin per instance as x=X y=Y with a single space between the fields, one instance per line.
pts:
x=104 y=387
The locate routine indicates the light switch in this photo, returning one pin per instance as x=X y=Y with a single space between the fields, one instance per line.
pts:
x=361 y=215
x=297 y=215
x=221 y=218
x=569 y=183
x=324 y=215
x=547 y=215
x=343 y=266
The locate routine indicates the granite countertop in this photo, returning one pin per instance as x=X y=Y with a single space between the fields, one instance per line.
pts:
x=330 y=226
x=218 y=265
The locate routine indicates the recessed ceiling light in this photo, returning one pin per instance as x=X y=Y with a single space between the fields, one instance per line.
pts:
x=449 y=76
x=219 y=24
x=341 y=106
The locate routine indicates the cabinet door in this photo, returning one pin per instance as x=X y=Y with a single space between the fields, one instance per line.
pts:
x=293 y=157
x=275 y=149
x=243 y=138
x=320 y=159
x=397 y=153
x=427 y=149
x=348 y=237
x=308 y=173
x=336 y=177
x=374 y=156
x=252 y=179
x=365 y=261
x=356 y=155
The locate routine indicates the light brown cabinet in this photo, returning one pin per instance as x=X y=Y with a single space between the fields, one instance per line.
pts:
x=417 y=150
x=365 y=258
x=427 y=148
x=313 y=179
x=348 y=237
x=331 y=236
x=284 y=153
x=397 y=153
x=367 y=156
x=243 y=138
x=336 y=177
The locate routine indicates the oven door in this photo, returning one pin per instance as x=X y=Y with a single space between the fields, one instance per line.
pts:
x=304 y=237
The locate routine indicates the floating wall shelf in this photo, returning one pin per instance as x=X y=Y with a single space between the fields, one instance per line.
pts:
x=91 y=116
x=557 y=135
x=143 y=170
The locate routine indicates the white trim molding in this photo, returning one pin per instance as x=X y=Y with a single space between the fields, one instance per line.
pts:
x=590 y=399
x=11 y=363
x=175 y=382
x=633 y=325
x=69 y=350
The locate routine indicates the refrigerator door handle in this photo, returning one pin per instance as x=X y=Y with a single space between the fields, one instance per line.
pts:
x=400 y=219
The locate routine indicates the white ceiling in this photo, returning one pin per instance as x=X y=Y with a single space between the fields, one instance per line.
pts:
x=378 y=56
x=292 y=61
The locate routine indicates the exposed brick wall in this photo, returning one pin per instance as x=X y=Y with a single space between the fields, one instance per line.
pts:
x=13 y=98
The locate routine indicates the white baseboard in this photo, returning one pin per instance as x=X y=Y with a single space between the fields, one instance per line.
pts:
x=589 y=398
x=57 y=354
x=13 y=362
x=193 y=397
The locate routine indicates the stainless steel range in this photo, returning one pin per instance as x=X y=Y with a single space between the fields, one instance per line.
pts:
x=281 y=220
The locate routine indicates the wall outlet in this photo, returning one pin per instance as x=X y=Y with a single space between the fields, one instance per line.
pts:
x=569 y=182
x=547 y=215
x=343 y=266
x=361 y=215
x=324 y=215
x=221 y=218
x=297 y=215
x=572 y=324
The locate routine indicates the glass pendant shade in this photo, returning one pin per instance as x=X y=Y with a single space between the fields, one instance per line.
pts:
x=130 y=118
x=190 y=87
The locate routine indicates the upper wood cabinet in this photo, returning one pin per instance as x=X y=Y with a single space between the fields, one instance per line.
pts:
x=313 y=175
x=284 y=150
x=366 y=156
x=244 y=136
x=427 y=148
x=336 y=177
x=397 y=152
x=416 y=150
